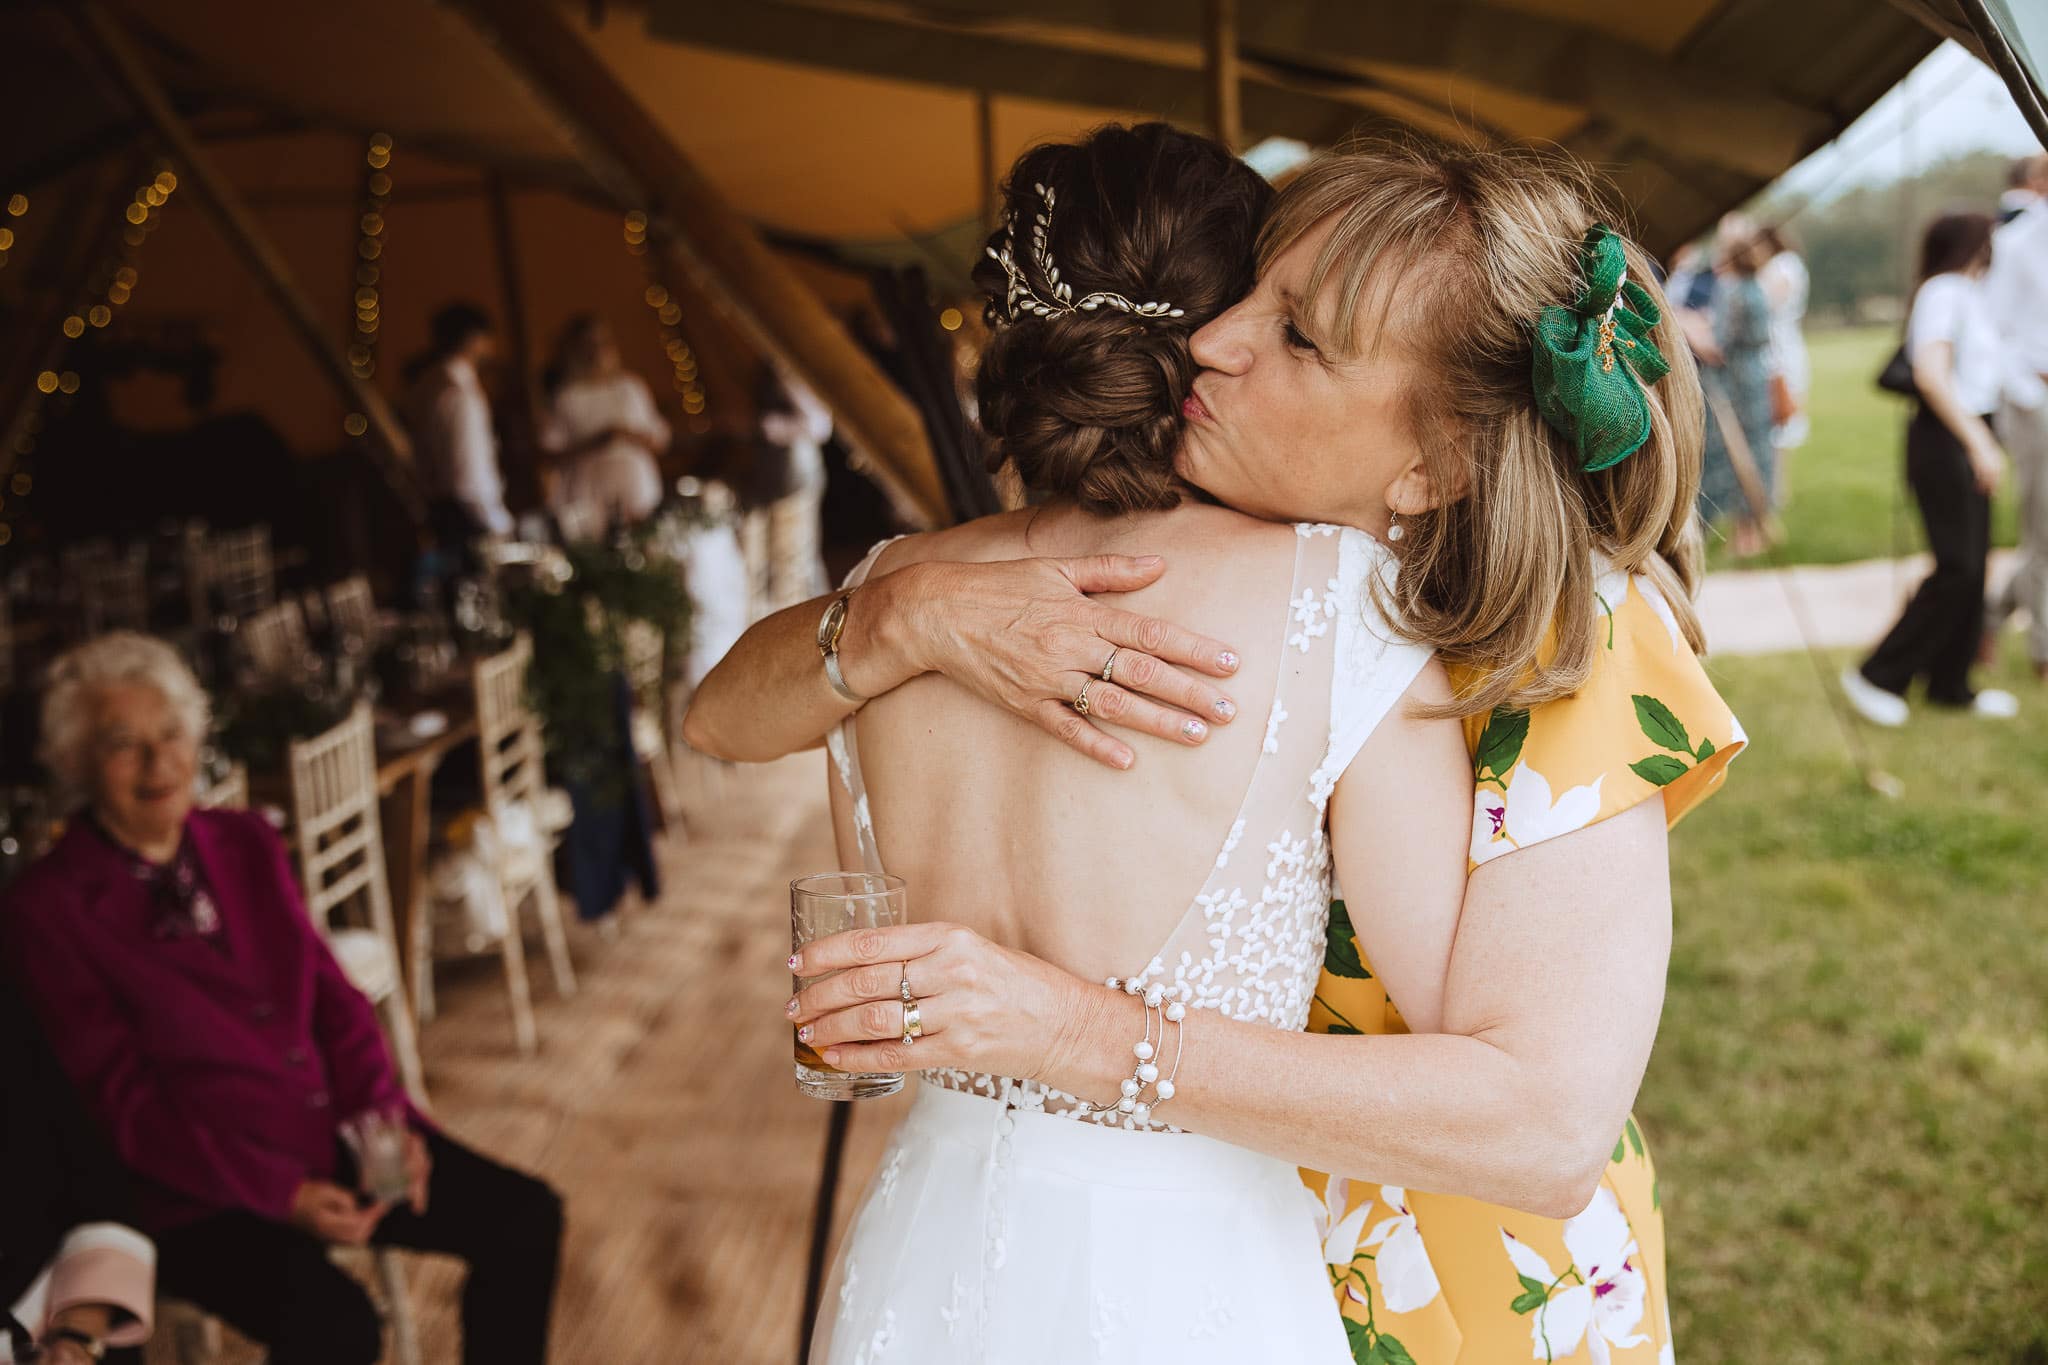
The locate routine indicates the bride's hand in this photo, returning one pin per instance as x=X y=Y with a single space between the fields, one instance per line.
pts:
x=983 y=1007
x=1025 y=635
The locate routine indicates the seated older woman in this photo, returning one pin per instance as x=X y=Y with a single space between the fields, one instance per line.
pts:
x=215 y=1039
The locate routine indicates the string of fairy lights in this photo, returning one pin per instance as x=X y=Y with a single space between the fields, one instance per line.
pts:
x=369 y=277
x=108 y=288
x=668 y=313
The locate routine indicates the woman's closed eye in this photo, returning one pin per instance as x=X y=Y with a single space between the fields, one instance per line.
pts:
x=1295 y=338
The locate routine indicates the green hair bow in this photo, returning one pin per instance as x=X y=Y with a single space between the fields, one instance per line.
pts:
x=1593 y=358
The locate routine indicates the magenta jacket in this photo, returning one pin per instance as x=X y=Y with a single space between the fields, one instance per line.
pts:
x=219 y=1072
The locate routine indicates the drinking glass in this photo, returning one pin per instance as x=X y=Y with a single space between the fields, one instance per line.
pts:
x=831 y=903
x=378 y=1141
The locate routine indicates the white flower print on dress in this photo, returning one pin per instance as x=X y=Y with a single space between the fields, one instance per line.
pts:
x=1604 y=1307
x=1407 y=1279
x=1524 y=814
x=1337 y=1230
x=1612 y=587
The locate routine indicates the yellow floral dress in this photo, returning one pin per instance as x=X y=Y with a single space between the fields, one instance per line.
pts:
x=1441 y=1280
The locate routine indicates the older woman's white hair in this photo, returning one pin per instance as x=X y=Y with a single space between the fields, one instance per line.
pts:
x=121 y=657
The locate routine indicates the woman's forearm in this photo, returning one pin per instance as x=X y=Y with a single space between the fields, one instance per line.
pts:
x=1435 y=1111
x=769 y=696
x=1934 y=376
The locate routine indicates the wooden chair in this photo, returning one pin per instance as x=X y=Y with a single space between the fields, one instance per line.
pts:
x=647 y=676
x=113 y=589
x=274 y=639
x=340 y=844
x=510 y=757
x=239 y=564
x=351 y=610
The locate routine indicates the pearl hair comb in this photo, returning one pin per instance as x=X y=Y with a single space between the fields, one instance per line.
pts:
x=1021 y=299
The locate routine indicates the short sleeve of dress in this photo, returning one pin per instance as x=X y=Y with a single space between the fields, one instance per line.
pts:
x=1647 y=722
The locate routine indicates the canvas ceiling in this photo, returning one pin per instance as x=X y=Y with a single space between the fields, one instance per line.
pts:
x=855 y=120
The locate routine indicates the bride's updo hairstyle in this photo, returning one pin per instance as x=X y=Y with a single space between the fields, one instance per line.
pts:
x=1149 y=232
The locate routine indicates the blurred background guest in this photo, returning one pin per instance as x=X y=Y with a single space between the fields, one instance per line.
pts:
x=715 y=568
x=1963 y=371
x=454 y=442
x=2025 y=184
x=795 y=424
x=2017 y=287
x=1784 y=280
x=601 y=426
x=1737 y=377
x=216 y=1041
x=73 y=1282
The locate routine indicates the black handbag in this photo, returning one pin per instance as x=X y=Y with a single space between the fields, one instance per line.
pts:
x=1897 y=374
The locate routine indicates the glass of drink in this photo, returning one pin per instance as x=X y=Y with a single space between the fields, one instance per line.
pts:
x=831 y=903
x=378 y=1141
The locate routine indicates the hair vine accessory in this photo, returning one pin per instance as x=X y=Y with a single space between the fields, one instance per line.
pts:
x=1021 y=298
x=1593 y=358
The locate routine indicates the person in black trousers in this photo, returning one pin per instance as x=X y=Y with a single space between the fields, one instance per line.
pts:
x=278 y=1285
x=62 y=1189
x=1962 y=370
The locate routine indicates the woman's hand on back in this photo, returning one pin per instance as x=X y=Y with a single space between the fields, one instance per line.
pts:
x=1025 y=635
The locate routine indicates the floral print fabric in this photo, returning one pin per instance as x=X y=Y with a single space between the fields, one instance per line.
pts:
x=1441 y=1280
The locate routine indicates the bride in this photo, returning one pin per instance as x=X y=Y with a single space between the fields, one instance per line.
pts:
x=1040 y=1204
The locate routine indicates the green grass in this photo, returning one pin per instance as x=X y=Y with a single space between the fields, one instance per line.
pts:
x=1849 y=1097
x=1845 y=488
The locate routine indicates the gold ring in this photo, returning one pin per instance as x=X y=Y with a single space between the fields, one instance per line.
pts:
x=913 y=1023
x=903 y=987
x=1109 y=664
x=1081 y=701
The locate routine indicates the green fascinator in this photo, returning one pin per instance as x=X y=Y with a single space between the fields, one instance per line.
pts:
x=1593 y=358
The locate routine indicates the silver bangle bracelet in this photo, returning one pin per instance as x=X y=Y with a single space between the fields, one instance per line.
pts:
x=838 y=680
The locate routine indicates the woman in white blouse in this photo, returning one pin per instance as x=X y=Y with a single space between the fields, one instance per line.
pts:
x=1953 y=463
x=602 y=428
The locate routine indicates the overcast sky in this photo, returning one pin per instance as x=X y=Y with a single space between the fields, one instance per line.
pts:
x=1950 y=104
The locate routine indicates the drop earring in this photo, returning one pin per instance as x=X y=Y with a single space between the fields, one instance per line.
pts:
x=1394 y=531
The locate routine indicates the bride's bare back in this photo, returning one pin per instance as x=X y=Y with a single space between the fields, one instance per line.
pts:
x=998 y=826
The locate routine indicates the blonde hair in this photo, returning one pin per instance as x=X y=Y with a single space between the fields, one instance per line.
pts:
x=121 y=657
x=1452 y=252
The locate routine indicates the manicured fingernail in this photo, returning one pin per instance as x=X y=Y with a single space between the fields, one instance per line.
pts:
x=790 y=1008
x=1194 y=731
x=803 y=1035
x=832 y=1057
x=1123 y=760
x=1227 y=661
x=1149 y=561
x=1225 y=708
x=795 y=961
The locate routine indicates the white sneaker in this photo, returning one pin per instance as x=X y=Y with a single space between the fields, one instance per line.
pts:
x=1872 y=702
x=1996 y=704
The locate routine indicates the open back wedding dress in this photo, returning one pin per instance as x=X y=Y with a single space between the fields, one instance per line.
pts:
x=1007 y=1222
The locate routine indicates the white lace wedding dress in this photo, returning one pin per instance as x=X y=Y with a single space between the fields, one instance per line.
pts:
x=1006 y=1224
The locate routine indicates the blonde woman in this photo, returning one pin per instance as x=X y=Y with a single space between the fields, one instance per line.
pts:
x=1396 y=367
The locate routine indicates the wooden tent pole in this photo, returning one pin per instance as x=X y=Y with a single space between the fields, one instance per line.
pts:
x=1226 y=121
x=520 y=455
x=389 y=446
x=985 y=152
x=628 y=151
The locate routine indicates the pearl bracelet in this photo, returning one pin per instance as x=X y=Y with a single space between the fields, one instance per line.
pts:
x=1132 y=1101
